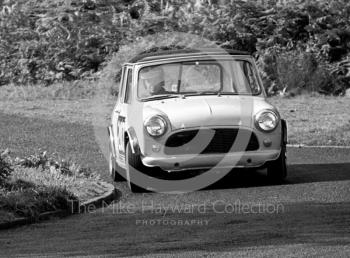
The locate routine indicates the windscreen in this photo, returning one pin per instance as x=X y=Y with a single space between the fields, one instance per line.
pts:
x=200 y=77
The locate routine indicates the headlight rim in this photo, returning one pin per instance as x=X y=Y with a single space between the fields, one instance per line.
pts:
x=273 y=112
x=154 y=117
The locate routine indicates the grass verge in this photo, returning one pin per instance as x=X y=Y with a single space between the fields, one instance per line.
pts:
x=63 y=91
x=316 y=119
x=40 y=184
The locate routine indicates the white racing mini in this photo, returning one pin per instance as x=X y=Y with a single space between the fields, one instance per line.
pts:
x=186 y=110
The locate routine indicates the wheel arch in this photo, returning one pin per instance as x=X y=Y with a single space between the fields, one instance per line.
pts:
x=130 y=136
x=111 y=139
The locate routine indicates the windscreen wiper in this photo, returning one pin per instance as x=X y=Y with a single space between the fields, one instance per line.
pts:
x=218 y=93
x=201 y=93
x=162 y=96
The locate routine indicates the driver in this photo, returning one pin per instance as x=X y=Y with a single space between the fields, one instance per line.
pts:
x=153 y=78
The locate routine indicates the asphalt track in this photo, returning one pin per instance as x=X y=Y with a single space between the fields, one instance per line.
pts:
x=242 y=215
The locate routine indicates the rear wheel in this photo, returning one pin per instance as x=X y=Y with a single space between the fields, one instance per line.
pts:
x=133 y=162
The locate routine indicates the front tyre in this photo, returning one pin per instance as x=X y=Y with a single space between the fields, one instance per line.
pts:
x=133 y=162
x=277 y=169
x=115 y=171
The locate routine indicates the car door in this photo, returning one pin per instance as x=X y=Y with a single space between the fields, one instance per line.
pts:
x=120 y=116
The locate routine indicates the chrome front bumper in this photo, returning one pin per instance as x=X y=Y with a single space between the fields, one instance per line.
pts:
x=230 y=160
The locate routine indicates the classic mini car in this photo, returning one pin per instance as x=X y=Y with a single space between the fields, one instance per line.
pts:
x=187 y=110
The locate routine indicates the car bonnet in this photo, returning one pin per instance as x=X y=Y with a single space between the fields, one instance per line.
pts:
x=208 y=111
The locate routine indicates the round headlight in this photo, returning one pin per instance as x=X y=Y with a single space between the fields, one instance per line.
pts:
x=267 y=120
x=156 y=126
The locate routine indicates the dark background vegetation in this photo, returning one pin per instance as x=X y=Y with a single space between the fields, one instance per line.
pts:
x=300 y=45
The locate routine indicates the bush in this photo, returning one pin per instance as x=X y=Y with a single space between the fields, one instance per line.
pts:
x=39 y=183
x=293 y=71
x=60 y=167
x=5 y=167
x=48 y=41
x=30 y=202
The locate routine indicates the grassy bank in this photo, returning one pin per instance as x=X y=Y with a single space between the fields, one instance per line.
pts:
x=316 y=119
x=39 y=184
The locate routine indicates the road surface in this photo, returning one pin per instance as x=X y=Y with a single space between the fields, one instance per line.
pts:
x=243 y=215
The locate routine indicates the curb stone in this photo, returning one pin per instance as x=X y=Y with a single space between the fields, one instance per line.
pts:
x=317 y=146
x=95 y=202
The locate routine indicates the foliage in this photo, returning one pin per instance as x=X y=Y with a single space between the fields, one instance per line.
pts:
x=304 y=40
x=32 y=201
x=5 y=166
x=42 y=160
x=41 y=183
x=51 y=41
x=48 y=41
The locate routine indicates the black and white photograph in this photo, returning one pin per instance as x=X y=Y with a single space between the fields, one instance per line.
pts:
x=174 y=128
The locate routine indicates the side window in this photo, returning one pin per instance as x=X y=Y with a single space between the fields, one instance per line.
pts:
x=122 y=87
x=128 y=88
x=251 y=78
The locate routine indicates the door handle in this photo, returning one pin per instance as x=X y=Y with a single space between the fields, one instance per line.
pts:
x=117 y=111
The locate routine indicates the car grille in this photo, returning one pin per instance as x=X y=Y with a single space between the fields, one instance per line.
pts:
x=211 y=141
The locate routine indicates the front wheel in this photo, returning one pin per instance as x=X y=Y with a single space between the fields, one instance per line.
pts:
x=116 y=172
x=133 y=162
x=277 y=169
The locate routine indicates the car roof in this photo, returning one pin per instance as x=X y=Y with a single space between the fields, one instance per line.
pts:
x=164 y=54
